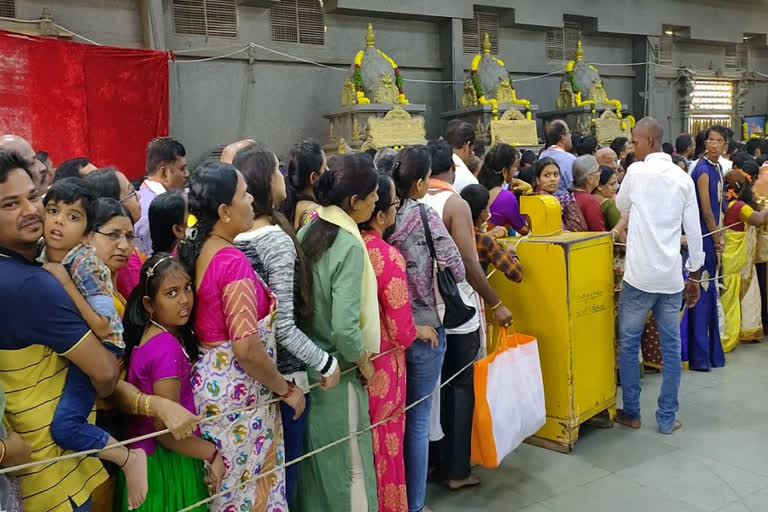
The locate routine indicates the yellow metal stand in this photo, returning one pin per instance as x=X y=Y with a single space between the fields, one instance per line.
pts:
x=566 y=302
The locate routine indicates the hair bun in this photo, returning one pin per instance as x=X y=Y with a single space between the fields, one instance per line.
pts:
x=324 y=188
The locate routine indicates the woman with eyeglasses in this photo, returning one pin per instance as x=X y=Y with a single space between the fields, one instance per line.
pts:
x=111 y=183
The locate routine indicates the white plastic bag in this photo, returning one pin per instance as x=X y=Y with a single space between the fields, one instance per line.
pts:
x=509 y=399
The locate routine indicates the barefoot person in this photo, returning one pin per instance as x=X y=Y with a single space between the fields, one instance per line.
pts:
x=655 y=221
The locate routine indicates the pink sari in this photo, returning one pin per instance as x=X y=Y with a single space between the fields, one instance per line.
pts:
x=387 y=389
x=236 y=304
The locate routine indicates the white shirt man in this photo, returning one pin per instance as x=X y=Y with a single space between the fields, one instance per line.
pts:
x=464 y=176
x=654 y=263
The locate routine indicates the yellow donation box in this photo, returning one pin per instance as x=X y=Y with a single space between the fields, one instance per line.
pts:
x=566 y=301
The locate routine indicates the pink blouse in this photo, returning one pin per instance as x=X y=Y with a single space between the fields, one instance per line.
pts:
x=230 y=289
x=129 y=276
x=160 y=358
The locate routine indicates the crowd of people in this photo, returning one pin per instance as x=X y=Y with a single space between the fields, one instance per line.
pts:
x=294 y=304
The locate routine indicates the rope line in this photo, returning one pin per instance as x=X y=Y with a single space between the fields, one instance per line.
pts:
x=329 y=445
x=159 y=433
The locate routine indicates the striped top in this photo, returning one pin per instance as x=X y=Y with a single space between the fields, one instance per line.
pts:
x=273 y=255
x=45 y=326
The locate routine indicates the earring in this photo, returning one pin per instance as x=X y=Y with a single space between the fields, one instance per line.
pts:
x=227 y=220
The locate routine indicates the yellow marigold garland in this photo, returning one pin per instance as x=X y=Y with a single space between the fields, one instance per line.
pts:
x=398 y=79
x=357 y=78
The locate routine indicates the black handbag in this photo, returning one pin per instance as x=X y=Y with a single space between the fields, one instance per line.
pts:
x=457 y=313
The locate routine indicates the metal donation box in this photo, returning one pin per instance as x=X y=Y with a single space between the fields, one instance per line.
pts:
x=566 y=300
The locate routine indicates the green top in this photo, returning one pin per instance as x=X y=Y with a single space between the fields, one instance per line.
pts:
x=611 y=213
x=336 y=293
x=336 y=290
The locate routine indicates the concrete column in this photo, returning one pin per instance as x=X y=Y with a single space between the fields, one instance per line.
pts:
x=452 y=48
x=151 y=12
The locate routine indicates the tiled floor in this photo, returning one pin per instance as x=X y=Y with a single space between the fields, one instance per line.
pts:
x=717 y=462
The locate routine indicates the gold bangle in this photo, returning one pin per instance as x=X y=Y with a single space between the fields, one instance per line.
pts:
x=497 y=306
x=136 y=404
x=2 y=457
x=146 y=405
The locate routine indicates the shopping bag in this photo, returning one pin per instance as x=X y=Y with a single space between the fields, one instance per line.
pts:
x=509 y=398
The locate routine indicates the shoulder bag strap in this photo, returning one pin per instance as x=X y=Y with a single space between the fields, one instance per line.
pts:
x=427 y=232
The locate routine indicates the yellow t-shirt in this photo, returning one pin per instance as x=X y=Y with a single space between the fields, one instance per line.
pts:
x=40 y=320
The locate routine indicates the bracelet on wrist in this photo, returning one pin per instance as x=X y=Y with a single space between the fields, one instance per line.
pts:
x=210 y=460
x=497 y=306
x=147 y=411
x=5 y=448
x=135 y=410
x=329 y=364
x=291 y=387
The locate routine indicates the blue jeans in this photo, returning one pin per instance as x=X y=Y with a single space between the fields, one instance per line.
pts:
x=634 y=307
x=423 y=366
x=85 y=507
x=294 y=433
x=70 y=428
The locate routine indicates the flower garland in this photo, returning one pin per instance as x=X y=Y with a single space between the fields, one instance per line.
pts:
x=398 y=79
x=357 y=78
x=630 y=122
x=589 y=103
x=479 y=92
x=524 y=103
x=615 y=104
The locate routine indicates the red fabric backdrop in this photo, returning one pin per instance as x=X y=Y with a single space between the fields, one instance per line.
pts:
x=74 y=100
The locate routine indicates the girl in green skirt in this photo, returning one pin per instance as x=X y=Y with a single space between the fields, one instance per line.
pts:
x=160 y=348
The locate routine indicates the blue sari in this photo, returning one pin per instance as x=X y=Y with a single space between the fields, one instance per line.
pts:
x=704 y=348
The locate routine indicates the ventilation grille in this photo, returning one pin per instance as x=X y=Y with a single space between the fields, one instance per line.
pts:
x=665 y=49
x=8 y=8
x=474 y=31
x=562 y=43
x=298 y=21
x=712 y=95
x=205 y=17
x=737 y=57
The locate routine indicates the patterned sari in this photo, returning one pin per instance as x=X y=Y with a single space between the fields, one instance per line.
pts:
x=387 y=391
x=237 y=305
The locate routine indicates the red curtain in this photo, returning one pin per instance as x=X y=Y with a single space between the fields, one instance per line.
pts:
x=74 y=100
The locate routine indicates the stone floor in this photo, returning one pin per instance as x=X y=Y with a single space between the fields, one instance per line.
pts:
x=717 y=462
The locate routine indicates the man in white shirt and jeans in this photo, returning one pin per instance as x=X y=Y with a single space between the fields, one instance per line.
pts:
x=659 y=200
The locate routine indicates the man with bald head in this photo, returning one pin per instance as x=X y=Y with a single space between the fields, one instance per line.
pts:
x=606 y=157
x=660 y=200
x=559 y=145
x=24 y=149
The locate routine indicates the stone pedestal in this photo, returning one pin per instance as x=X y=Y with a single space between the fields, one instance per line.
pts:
x=606 y=126
x=481 y=118
x=350 y=127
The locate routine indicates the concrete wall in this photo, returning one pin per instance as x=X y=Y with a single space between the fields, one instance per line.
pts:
x=109 y=22
x=280 y=100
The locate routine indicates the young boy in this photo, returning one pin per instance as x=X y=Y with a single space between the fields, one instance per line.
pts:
x=88 y=283
x=489 y=251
